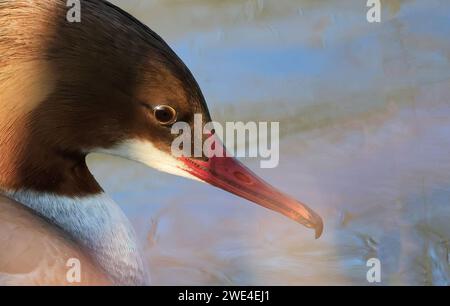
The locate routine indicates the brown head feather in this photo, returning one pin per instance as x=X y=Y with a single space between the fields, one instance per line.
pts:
x=66 y=88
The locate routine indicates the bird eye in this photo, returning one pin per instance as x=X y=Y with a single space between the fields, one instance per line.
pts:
x=165 y=114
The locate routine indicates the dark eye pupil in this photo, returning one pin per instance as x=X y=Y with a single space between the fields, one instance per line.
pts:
x=164 y=114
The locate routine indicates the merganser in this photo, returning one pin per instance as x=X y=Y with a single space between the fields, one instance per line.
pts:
x=108 y=84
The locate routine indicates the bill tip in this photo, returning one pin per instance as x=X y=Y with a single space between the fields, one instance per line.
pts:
x=319 y=228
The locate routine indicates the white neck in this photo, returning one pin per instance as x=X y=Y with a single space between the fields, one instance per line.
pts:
x=97 y=223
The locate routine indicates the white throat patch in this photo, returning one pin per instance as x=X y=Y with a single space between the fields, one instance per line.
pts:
x=146 y=153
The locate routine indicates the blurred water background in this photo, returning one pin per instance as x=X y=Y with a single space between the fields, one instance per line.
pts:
x=364 y=112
